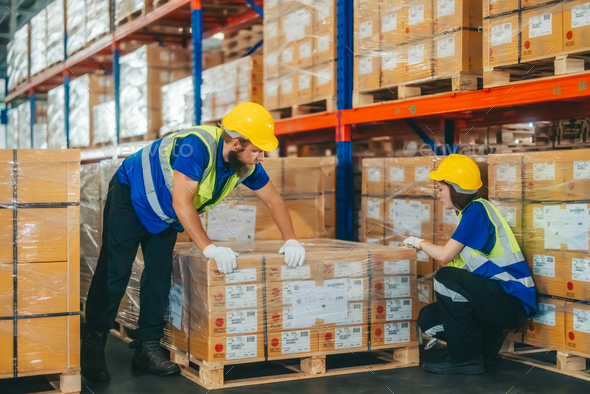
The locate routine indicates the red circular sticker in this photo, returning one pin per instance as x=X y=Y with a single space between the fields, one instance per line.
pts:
x=218 y=296
x=380 y=309
x=378 y=332
x=531 y=327
x=571 y=186
x=491 y=7
x=572 y=336
x=219 y=322
x=217 y=272
x=274 y=342
x=407 y=30
x=218 y=347
x=569 y=35
x=378 y=285
x=570 y=286
x=276 y=317
x=491 y=51
x=328 y=337
x=276 y=292
x=527 y=44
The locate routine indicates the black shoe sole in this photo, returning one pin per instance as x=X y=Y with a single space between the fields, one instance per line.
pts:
x=94 y=379
x=473 y=371
x=146 y=368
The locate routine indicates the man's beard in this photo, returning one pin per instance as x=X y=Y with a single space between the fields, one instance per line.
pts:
x=240 y=168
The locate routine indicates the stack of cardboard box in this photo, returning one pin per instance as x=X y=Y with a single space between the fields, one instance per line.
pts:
x=18 y=58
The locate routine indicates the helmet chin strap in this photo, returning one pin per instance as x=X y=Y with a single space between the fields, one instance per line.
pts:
x=233 y=134
x=458 y=189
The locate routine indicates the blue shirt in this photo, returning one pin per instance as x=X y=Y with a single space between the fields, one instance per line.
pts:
x=475 y=229
x=190 y=157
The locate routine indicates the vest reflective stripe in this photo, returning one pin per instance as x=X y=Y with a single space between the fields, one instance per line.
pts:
x=506 y=277
x=148 y=183
x=443 y=290
x=432 y=331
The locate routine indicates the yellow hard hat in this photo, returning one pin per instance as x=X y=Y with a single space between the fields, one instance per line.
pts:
x=460 y=170
x=253 y=122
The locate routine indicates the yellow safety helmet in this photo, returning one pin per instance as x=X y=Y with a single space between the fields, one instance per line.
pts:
x=459 y=170
x=253 y=122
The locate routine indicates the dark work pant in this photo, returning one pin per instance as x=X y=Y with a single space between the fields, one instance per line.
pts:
x=122 y=234
x=470 y=313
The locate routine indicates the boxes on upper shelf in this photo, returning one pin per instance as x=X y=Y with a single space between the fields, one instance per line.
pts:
x=451 y=14
x=501 y=40
x=541 y=32
x=495 y=7
x=576 y=24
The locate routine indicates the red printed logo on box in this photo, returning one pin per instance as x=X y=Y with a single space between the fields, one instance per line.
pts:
x=274 y=342
x=219 y=322
x=219 y=348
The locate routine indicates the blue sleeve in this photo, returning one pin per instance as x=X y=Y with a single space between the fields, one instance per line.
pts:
x=258 y=179
x=475 y=229
x=190 y=157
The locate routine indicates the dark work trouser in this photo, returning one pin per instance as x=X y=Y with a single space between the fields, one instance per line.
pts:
x=470 y=313
x=122 y=234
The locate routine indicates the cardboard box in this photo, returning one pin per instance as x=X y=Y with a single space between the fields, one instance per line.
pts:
x=450 y=14
x=393 y=261
x=418 y=20
x=407 y=217
x=445 y=222
x=289 y=59
x=394 y=310
x=272 y=33
x=288 y=90
x=364 y=8
x=324 y=17
x=303 y=175
x=324 y=80
x=232 y=322
x=500 y=40
x=394 y=286
x=424 y=262
x=425 y=292
x=237 y=348
x=578 y=338
x=210 y=298
x=419 y=58
x=271 y=64
x=576 y=25
x=330 y=210
x=271 y=93
x=283 y=344
x=304 y=83
x=344 y=339
x=307 y=215
x=204 y=271
x=305 y=50
x=296 y=22
x=409 y=176
x=458 y=51
x=495 y=7
x=547 y=328
x=324 y=48
x=390 y=335
x=541 y=32
x=373 y=220
x=373 y=176
x=505 y=176
x=393 y=64
x=393 y=24
x=7 y=348
x=367 y=70
x=284 y=293
x=281 y=318
x=512 y=212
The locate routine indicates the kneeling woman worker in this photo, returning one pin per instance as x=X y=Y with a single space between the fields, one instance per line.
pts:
x=486 y=285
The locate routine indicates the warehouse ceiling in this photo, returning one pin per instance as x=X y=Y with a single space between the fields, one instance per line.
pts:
x=13 y=15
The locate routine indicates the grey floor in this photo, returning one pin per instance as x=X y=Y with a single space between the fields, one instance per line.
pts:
x=505 y=377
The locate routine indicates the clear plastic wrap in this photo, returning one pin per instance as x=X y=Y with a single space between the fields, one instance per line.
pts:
x=56 y=138
x=177 y=106
x=125 y=8
x=266 y=310
x=104 y=129
x=40 y=244
x=76 y=25
x=12 y=129
x=55 y=32
x=79 y=112
x=38 y=28
x=90 y=224
x=18 y=58
x=98 y=20
x=24 y=125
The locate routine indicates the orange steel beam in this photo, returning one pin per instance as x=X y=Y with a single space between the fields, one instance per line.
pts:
x=39 y=79
x=306 y=123
x=147 y=19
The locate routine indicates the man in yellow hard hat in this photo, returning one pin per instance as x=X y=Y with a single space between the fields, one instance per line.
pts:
x=158 y=192
x=486 y=285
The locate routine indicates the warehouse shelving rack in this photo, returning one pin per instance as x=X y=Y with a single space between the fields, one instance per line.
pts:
x=549 y=98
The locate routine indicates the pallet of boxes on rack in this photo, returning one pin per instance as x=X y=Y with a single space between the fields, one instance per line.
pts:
x=18 y=127
x=87 y=22
x=128 y=10
x=555 y=187
x=47 y=30
x=18 y=58
x=539 y=39
x=295 y=317
x=40 y=326
x=410 y=48
x=299 y=57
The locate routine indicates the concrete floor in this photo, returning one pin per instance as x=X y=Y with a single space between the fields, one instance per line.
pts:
x=502 y=378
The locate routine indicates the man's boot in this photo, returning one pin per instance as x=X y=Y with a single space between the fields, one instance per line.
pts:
x=448 y=366
x=150 y=357
x=94 y=366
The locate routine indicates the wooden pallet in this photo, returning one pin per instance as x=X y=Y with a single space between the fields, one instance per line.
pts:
x=461 y=82
x=551 y=67
x=134 y=15
x=69 y=382
x=123 y=333
x=327 y=104
x=566 y=363
x=212 y=375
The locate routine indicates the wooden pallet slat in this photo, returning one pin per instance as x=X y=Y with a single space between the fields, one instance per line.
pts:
x=318 y=106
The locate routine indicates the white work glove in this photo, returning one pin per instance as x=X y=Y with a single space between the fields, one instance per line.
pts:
x=413 y=242
x=224 y=257
x=294 y=253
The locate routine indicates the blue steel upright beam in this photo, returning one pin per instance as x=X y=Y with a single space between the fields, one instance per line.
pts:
x=450 y=141
x=66 y=82
x=344 y=77
x=197 y=47
x=33 y=104
x=117 y=82
x=255 y=7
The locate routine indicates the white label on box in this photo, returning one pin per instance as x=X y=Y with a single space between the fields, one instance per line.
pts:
x=396 y=174
x=397 y=286
x=299 y=272
x=176 y=299
x=241 y=275
x=566 y=226
x=581 y=270
x=366 y=29
x=544 y=171
x=365 y=65
x=506 y=172
x=348 y=337
x=294 y=25
x=445 y=7
x=581 y=15
x=421 y=173
x=323 y=44
x=348 y=269
x=396 y=244
x=355 y=290
x=164 y=76
x=416 y=15
x=422 y=256
x=582 y=168
x=294 y=290
x=395 y=267
x=355 y=314
x=415 y=54
x=538 y=217
x=508 y=213
x=241 y=347
x=582 y=320
x=296 y=341
x=242 y=322
x=450 y=216
x=540 y=25
x=374 y=174
x=423 y=292
x=502 y=34
x=305 y=50
x=241 y=220
x=398 y=310
x=445 y=47
x=544 y=265
x=389 y=62
x=271 y=88
x=287 y=55
x=272 y=59
x=389 y=22
x=397 y=332
x=375 y=241
x=164 y=55
x=545 y=314
x=104 y=82
x=374 y=209
x=323 y=10
x=304 y=81
x=287 y=85
x=406 y=217
x=324 y=76
x=425 y=211
x=241 y=296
